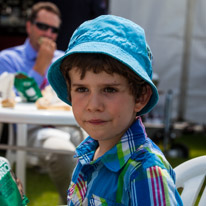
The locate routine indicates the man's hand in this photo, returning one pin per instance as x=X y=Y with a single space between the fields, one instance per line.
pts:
x=45 y=54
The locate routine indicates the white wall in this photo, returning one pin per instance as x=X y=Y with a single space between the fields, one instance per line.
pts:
x=164 y=22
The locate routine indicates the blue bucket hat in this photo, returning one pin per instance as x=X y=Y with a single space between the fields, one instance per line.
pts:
x=117 y=37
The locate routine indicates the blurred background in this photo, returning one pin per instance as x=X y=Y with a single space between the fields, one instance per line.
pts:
x=176 y=33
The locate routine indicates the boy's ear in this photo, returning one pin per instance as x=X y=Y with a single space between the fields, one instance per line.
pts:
x=143 y=100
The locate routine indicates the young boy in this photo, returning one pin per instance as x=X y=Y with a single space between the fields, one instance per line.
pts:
x=106 y=75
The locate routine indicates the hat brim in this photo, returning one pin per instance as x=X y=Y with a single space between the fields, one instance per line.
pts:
x=58 y=83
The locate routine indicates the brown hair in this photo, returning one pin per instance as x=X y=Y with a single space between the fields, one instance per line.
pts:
x=48 y=6
x=100 y=62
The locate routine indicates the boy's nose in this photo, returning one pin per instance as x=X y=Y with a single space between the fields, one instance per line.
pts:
x=94 y=103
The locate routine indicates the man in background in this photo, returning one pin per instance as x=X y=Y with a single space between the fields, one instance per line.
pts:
x=34 y=58
x=75 y=12
x=39 y=49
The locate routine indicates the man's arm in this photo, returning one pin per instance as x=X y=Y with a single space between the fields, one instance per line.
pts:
x=45 y=55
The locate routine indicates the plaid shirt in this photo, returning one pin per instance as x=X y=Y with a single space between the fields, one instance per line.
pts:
x=134 y=172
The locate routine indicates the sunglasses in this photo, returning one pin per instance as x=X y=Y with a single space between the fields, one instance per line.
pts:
x=45 y=27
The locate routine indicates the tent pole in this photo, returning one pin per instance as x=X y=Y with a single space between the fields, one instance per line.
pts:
x=186 y=59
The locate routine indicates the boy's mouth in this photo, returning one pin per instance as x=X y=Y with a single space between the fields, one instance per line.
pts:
x=96 y=121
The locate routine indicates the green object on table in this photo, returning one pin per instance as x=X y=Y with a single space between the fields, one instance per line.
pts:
x=9 y=191
x=27 y=87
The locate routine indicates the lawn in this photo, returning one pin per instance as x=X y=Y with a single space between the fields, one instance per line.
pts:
x=41 y=191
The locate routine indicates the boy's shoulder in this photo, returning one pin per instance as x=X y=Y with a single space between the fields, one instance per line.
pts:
x=147 y=158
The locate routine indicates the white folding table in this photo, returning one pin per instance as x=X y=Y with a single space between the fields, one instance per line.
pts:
x=24 y=114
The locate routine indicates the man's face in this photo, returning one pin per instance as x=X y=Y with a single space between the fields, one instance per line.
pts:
x=35 y=30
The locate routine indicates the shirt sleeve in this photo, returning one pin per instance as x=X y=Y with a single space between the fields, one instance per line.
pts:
x=6 y=64
x=154 y=186
x=38 y=78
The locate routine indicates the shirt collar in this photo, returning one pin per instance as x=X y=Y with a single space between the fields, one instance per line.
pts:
x=30 y=52
x=116 y=157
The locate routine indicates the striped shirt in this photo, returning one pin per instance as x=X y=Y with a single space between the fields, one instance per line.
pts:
x=134 y=172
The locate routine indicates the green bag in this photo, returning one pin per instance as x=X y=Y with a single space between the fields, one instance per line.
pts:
x=27 y=87
x=9 y=191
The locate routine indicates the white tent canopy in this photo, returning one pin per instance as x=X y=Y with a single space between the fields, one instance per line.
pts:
x=176 y=33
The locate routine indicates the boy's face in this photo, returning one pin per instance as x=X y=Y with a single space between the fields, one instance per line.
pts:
x=103 y=105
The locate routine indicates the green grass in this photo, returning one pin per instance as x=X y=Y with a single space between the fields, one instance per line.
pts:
x=196 y=145
x=41 y=191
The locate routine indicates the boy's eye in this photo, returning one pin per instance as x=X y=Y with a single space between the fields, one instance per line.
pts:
x=110 y=90
x=81 y=89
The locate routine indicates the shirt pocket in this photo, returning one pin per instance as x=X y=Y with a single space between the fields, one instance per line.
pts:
x=99 y=201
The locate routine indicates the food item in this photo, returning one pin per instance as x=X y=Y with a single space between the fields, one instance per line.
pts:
x=27 y=87
x=50 y=101
x=11 y=193
x=44 y=103
x=8 y=102
x=6 y=89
